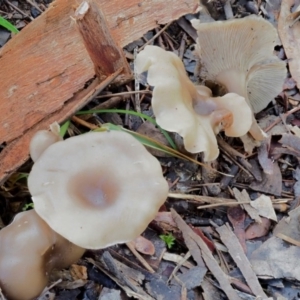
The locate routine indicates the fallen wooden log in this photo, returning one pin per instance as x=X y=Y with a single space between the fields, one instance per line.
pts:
x=46 y=73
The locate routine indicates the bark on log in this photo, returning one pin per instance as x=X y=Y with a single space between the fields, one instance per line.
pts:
x=46 y=66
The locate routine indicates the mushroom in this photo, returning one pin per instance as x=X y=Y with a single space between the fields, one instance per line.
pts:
x=97 y=189
x=43 y=139
x=239 y=55
x=191 y=111
x=29 y=251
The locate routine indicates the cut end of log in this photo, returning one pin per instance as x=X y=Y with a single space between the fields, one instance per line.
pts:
x=81 y=10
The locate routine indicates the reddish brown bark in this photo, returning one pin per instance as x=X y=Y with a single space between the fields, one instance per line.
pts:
x=47 y=66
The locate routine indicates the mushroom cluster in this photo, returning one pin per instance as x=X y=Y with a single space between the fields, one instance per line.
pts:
x=191 y=111
x=239 y=54
x=89 y=192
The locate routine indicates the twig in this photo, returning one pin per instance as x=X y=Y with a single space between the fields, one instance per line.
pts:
x=278 y=120
x=228 y=10
x=155 y=36
x=124 y=94
x=136 y=84
x=168 y=40
x=184 y=259
x=233 y=203
x=47 y=289
x=198 y=198
x=288 y=239
x=139 y=257
x=182 y=46
x=84 y=123
x=160 y=40
x=34 y=5
x=19 y=10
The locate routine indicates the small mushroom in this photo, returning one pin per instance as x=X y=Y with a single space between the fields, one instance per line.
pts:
x=191 y=111
x=43 y=139
x=29 y=251
x=97 y=189
x=239 y=55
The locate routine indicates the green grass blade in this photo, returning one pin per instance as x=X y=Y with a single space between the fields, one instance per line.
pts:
x=8 y=25
x=64 y=128
x=156 y=145
x=134 y=113
x=146 y=141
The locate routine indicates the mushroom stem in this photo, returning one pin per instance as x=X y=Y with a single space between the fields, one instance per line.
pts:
x=235 y=82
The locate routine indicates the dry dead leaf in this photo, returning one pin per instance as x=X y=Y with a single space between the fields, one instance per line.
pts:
x=143 y=245
x=110 y=294
x=166 y=217
x=238 y=255
x=243 y=197
x=264 y=206
x=236 y=217
x=271 y=183
x=263 y=157
x=294 y=129
x=289 y=34
x=256 y=230
x=198 y=250
x=289 y=225
x=276 y=259
x=265 y=122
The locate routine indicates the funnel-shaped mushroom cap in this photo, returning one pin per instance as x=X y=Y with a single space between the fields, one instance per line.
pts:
x=239 y=54
x=181 y=107
x=29 y=250
x=97 y=189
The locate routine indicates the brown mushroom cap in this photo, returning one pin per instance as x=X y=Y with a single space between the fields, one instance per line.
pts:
x=239 y=54
x=97 y=189
x=29 y=251
x=179 y=106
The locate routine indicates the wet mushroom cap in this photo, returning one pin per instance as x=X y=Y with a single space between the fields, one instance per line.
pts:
x=97 y=189
x=29 y=251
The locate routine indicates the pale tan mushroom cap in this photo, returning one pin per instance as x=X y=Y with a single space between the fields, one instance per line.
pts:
x=29 y=250
x=181 y=107
x=239 y=54
x=42 y=139
x=98 y=189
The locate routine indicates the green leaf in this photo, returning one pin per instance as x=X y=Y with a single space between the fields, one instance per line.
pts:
x=134 y=113
x=8 y=25
x=64 y=128
x=169 y=239
x=28 y=206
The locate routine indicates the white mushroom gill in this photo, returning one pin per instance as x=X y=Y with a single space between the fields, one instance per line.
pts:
x=239 y=54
